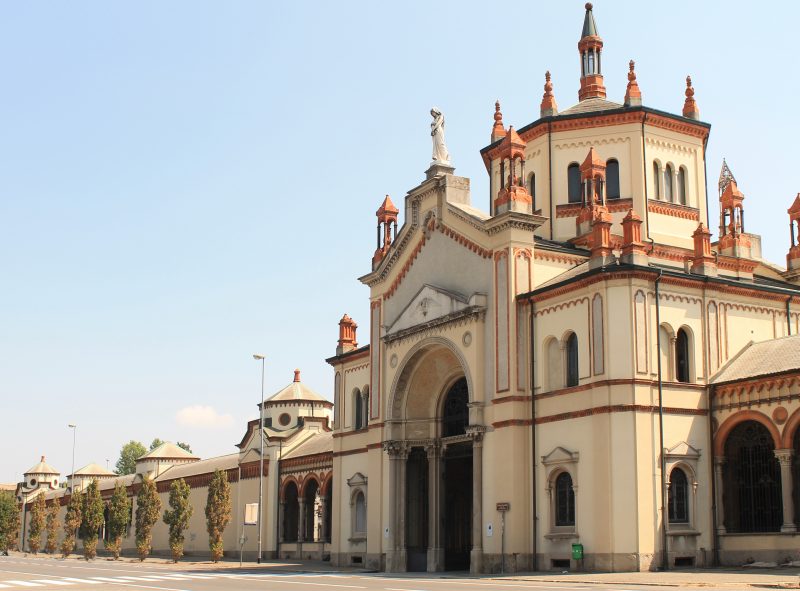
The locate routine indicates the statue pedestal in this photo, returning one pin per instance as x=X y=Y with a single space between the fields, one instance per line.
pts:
x=439 y=169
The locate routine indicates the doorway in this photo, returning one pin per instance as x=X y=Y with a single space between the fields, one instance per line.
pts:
x=457 y=506
x=417 y=506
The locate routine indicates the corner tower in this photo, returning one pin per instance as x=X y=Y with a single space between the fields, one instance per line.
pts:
x=591 y=47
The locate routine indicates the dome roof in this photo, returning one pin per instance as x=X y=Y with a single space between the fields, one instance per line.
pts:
x=296 y=391
x=167 y=451
x=93 y=470
x=42 y=468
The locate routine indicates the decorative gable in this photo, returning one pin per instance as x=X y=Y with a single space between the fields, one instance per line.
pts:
x=559 y=455
x=432 y=303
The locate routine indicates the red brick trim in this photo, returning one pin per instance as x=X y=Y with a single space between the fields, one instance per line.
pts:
x=599 y=410
x=721 y=436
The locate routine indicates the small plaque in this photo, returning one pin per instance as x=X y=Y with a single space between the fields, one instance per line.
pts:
x=503 y=507
x=251 y=514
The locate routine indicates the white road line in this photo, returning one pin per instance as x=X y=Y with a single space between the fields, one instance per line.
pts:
x=82 y=581
x=52 y=582
x=285 y=582
x=24 y=583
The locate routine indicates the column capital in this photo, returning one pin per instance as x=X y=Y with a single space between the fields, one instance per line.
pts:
x=476 y=433
x=432 y=449
x=784 y=456
x=720 y=461
x=396 y=450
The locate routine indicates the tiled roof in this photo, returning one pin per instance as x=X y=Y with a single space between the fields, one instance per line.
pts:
x=93 y=470
x=316 y=444
x=761 y=359
x=591 y=105
x=296 y=391
x=167 y=450
x=42 y=468
x=201 y=467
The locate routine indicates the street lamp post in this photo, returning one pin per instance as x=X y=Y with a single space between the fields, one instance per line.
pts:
x=258 y=357
x=72 y=475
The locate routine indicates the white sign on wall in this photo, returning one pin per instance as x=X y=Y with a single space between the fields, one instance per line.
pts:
x=251 y=514
x=489 y=530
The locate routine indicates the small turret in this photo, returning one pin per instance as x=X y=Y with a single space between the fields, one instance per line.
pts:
x=793 y=256
x=512 y=196
x=347 y=335
x=690 y=108
x=498 y=131
x=633 y=95
x=548 y=108
x=591 y=47
x=593 y=193
x=387 y=230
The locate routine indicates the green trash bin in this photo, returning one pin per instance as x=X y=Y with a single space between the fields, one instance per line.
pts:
x=577 y=551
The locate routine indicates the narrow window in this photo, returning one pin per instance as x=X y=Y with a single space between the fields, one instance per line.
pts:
x=565 y=500
x=574 y=182
x=358 y=410
x=682 y=356
x=455 y=413
x=532 y=188
x=612 y=179
x=572 y=360
x=682 y=185
x=365 y=398
x=656 y=183
x=678 y=497
x=668 y=183
x=361 y=513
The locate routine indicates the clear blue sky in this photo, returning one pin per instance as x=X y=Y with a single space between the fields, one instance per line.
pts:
x=187 y=183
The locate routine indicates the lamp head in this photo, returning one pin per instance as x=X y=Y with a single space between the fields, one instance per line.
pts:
x=257 y=356
x=71 y=426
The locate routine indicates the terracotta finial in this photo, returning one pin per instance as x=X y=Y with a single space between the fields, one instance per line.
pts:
x=548 y=108
x=589 y=6
x=297 y=375
x=690 y=109
x=498 y=130
x=633 y=95
x=42 y=459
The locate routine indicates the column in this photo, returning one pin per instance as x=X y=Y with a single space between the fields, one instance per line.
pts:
x=476 y=555
x=787 y=486
x=324 y=520
x=392 y=518
x=719 y=462
x=301 y=520
x=435 y=508
x=402 y=556
x=281 y=515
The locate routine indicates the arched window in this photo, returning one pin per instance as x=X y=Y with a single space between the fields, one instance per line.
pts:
x=678 y=497
x=574 y=183
x=358 y=410
x=572 y=360
x=656 y=181
x=612 y=179
x=668 y=195
x=310 y=496
x=360 y=519
x=682 y=358
x=565 y=500
x=682 y=188
x=532 y=188
x=291 y=511
x=665 y=351
x=365 y=406
x=455 y=413
x=752 y=481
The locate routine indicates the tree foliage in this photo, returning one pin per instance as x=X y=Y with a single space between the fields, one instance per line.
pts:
x=184 y=446
x=178 y=515
x=119 y=511
x=92 y=519
x=72 y=521
x=38 y=509
x=218 y=512
x=155 y=443
x=130 y=452
x=51 y=527
x=148 y=508
x=9 y=521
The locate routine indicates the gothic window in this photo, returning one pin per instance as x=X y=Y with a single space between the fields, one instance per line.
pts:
x=682 y=188
x=678 y=497
x=572 y=360
x=752 y=481
x=656 y=183
x=360 y=519
x=358 y=410
x=668 y=195
x=455 y=413
x=612 y=179
x=574 y=183
x=565 y=501
x=682 y=358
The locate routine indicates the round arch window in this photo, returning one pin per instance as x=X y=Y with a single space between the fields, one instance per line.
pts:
x=284 y=419
x=33 y=482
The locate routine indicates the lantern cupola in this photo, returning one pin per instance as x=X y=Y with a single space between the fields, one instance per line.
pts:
x=793 y=257
x=732 y=238
x=387 y=229
x=591 y=47
x=512 y=196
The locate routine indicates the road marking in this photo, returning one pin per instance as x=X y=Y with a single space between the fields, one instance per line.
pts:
x=24 y=583
x=83 y=581
x=285 y=582
x=52 y=582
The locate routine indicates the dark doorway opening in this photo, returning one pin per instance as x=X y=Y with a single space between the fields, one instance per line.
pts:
x=457 y=506
x=417 y=510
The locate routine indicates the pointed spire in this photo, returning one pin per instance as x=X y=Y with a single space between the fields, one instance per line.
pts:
x=548 y=107
x=725 y=177
x=589 y=26
x=633 y=96
x=498 y=130
x=690 y=109
x=591 y=47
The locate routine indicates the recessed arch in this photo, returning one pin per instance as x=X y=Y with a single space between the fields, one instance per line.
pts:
x=290 y=480
x=789 y=430
x=307 y=480
x=740 y=417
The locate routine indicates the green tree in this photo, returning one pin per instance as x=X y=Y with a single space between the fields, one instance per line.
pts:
x=9 y=521
x=51 y=527
x=184 y=446
x=119 y=510
x=72 y=521
x=130 y=452
x=38 y=509
x=148 y=508
x=178 y=515
x=155 y=443
x=218 y=512
x=92 y=519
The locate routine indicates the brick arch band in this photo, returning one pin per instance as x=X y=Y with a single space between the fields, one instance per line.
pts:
x=790 y=428
x=741 y=417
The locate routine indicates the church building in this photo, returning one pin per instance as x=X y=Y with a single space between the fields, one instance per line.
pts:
x=570 y=373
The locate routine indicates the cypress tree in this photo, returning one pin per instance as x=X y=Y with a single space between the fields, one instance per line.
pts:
x=38 y=509
x=148 y=508
x=118 y=517
x=92 y=519
x=72 y=521
x=178 y=515
x=218 y=512
x=51 y=527
x=9 y=521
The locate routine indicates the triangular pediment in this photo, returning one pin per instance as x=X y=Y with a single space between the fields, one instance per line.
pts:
x=430 y=303
x=683 y=450
x=559 y=455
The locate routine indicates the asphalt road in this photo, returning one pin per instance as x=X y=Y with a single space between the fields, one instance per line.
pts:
x=19 y=573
